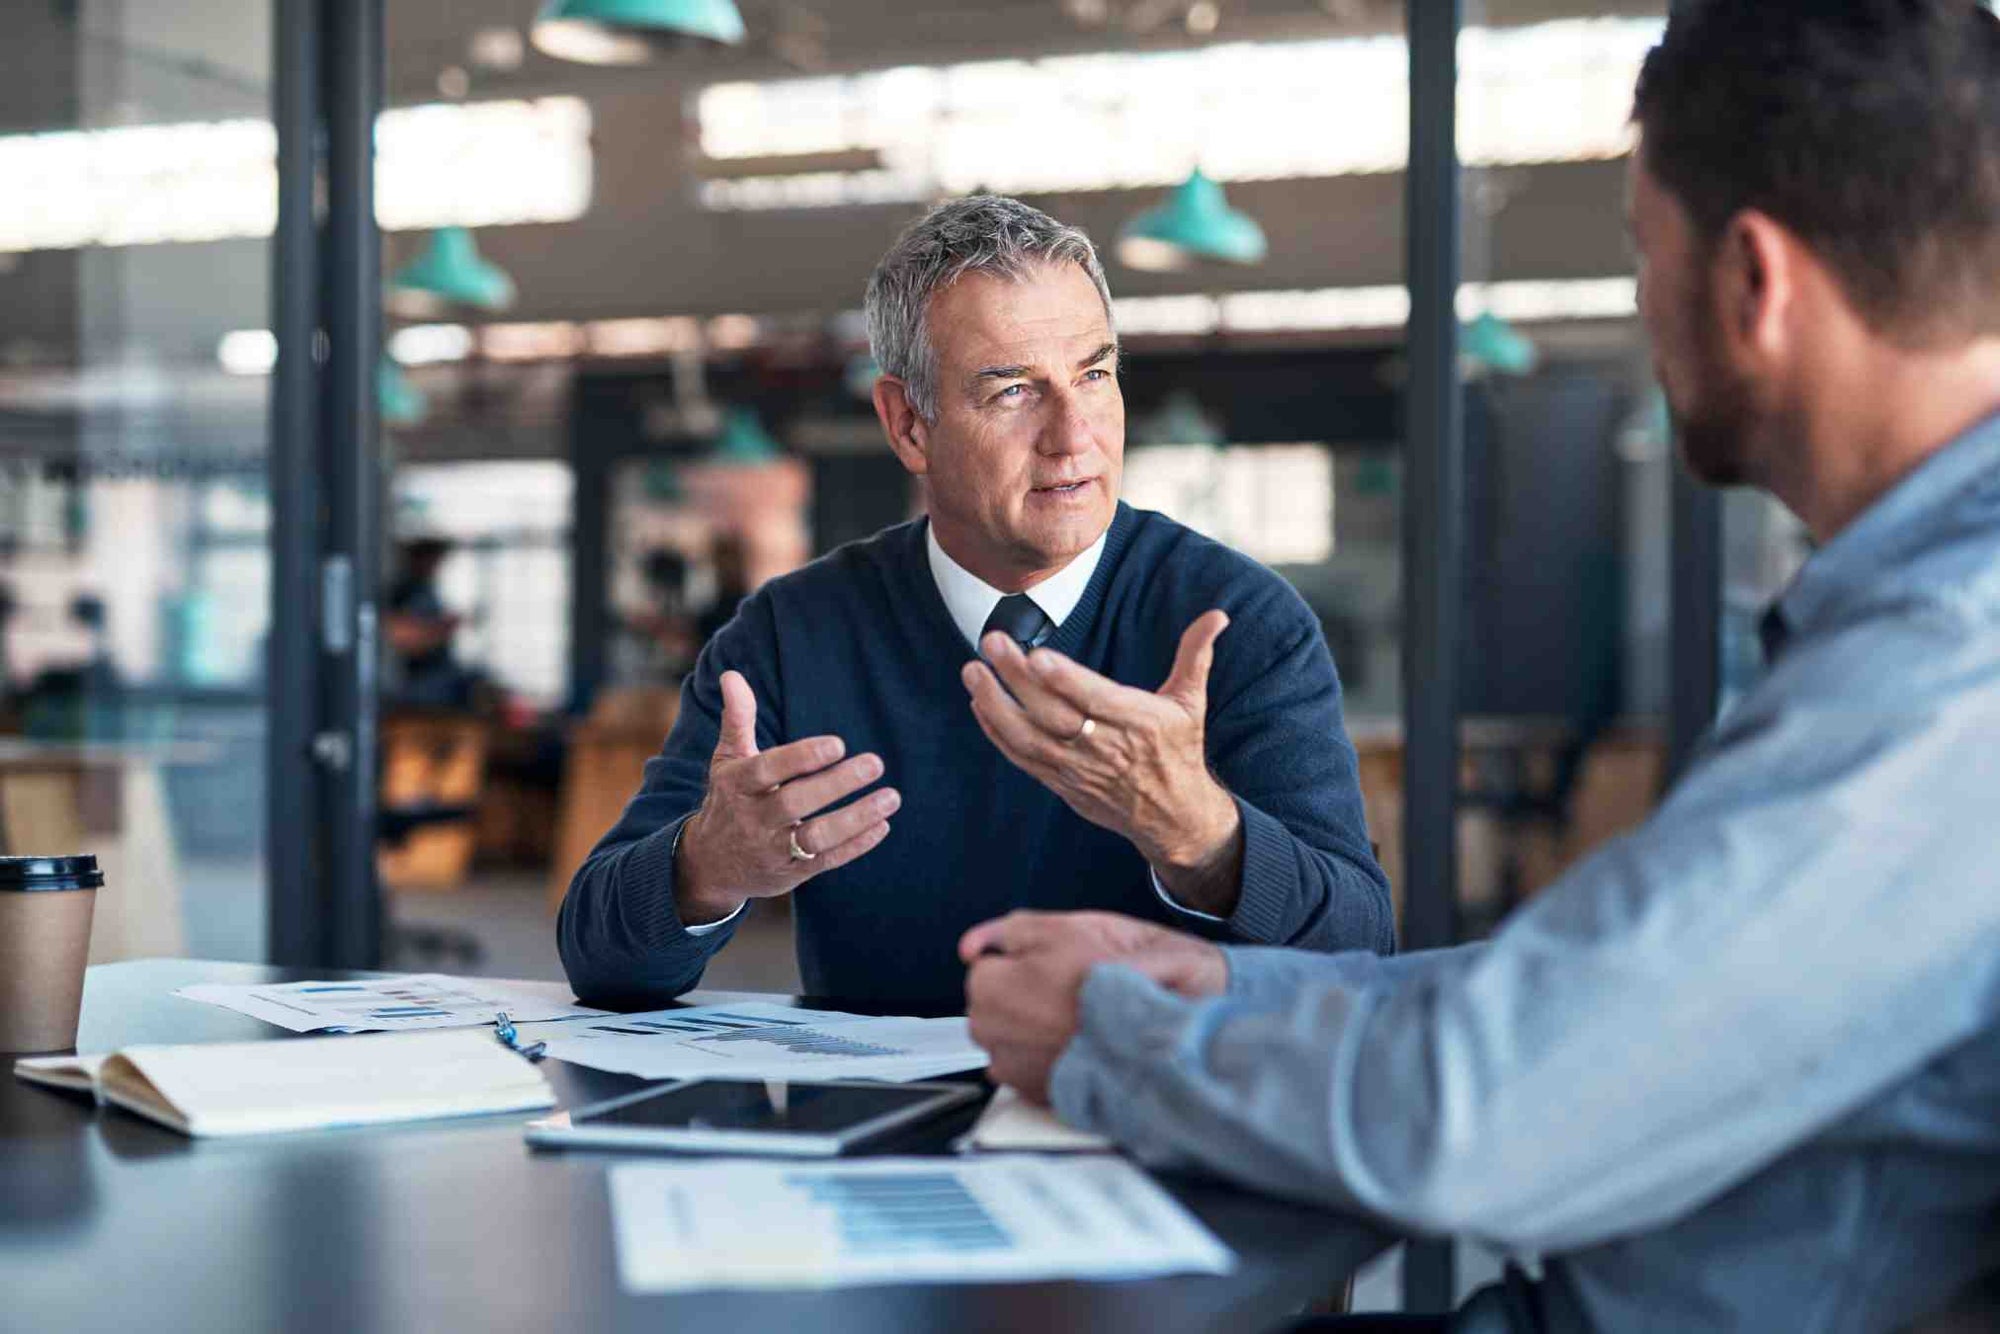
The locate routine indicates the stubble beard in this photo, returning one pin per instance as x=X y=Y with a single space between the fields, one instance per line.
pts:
x=1719 y=434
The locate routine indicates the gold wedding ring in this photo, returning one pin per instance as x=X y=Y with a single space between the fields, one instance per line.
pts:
x=799 y=854
x=1085 y=730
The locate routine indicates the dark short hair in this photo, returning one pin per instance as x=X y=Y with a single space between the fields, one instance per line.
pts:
x=1869 y=128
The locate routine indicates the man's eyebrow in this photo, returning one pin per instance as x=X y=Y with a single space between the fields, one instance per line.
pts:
x=1024 y=372
x=1000 y=373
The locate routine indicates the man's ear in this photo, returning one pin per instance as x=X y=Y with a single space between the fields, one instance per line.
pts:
x=1758 y=283
x=909 y=434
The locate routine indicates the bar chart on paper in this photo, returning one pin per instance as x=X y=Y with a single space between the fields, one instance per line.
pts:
x=688 y=1225
x=386 y=1004
x=764 y=1041
x=917 y=1211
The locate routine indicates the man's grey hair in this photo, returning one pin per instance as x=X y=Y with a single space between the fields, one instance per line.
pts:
x=978 y=234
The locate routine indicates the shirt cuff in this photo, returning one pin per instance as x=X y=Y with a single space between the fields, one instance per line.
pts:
x=674 y=860
x=1268 y=885
x=1181 y=908
x=706 y=927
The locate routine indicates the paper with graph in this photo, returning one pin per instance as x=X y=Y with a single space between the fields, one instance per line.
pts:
x=899 y=1220
x=389 y=1004
x=760 y=1040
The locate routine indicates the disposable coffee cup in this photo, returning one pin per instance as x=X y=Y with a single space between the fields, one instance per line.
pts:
x=45 y=908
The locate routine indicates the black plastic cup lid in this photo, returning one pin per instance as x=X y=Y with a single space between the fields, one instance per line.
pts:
x=32 y=873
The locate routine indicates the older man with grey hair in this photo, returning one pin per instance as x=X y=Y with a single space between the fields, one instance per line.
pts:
x=1032 y=684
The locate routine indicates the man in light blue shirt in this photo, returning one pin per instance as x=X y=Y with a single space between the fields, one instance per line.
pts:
x=1740 y=1069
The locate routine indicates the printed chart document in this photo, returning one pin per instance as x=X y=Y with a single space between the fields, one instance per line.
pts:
x=760 y=1040
x=681 y=1226
x=388 y=1004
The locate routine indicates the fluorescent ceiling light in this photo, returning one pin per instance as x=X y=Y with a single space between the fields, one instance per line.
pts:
x=473 y=164
x=550 y=340
x=247 y=351
x=430 y=344
x=1550 y=92
x=644 y=337
x=1377 y=307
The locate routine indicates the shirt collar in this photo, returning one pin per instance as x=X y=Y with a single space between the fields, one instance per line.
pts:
x=970 y=599
x=1910 y=513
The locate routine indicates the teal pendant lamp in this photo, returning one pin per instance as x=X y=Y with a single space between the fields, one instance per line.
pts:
x=1181 y=420
x=744 y=443
x=1491 y=343
x=663 y=482
x=629 y=32
x=399 y=402
x=1196 y=223
x=860 y=375
x=450 y=272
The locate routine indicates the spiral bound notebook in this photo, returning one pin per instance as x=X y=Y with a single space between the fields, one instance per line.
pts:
x=262 y=1088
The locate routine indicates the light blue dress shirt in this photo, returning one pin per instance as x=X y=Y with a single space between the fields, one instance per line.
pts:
x=1740 y=1069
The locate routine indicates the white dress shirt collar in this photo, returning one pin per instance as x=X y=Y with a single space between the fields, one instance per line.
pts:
x=970 y=599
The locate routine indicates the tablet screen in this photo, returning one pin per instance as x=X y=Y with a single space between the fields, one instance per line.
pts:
x=729 y=1104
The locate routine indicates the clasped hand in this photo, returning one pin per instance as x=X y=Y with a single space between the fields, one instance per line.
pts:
x=739 y=845
x=1025 y=979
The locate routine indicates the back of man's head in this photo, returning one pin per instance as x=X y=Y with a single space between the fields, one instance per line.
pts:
x=1869 y=128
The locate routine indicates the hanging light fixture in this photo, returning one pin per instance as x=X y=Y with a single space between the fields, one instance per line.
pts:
x=1196 y=223
x=630 y=32
x=744 y=443
x=1492 y=344
x=858 y=377
x=399 y=402
x=1181 y=420
x=449 y=272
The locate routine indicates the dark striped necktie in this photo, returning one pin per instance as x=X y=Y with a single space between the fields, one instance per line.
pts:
x=1018 y=615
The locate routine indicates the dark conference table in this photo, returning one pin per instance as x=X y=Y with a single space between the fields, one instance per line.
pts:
x=110 y=1222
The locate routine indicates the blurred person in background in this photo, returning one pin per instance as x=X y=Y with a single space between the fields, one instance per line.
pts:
x=1739 y=1070
x=729 y=563
x=419 y=630
x=1040 y=671
x=659 y=642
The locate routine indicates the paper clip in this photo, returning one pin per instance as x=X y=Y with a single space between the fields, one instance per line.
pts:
x=510 y=1038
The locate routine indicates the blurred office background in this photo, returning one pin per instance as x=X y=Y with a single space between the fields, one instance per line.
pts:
x=625 y=380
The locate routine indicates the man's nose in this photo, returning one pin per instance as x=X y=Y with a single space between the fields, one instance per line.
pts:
x=1070 y=429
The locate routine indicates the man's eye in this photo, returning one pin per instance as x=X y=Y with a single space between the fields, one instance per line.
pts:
x=1097 y=373
x=1012 y=391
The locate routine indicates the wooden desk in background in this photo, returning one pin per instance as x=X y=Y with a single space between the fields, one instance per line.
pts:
x=1616 y=787
x=604 y=762
x=108 y=799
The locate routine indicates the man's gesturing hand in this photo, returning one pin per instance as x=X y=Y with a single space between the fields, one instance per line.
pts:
x=739 y=844
x=1139 y=769
x=1027 y=970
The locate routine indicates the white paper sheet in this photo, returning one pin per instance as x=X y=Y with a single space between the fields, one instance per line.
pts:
x=760 y=1040
x=388 y=1004
x=1011 y=1123
x=899 y=1220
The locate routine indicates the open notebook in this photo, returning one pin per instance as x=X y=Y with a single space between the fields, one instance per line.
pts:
x=258 y=1088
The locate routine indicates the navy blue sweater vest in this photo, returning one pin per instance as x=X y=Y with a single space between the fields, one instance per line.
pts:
x=859 y=645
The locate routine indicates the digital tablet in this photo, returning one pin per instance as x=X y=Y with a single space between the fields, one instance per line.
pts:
x=790 y=1118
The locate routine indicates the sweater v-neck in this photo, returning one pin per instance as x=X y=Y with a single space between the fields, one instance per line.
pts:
x=914 y=560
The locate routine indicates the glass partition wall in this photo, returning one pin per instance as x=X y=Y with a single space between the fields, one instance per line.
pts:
x=135 y=559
